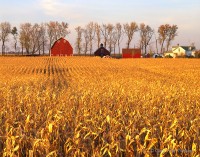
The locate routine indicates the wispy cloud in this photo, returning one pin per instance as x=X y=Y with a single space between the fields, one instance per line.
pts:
x=59 y=8
x=50 y=6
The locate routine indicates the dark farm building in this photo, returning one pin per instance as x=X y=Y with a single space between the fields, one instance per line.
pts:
x=102 y=51
x=61 y=47
x=131 y=53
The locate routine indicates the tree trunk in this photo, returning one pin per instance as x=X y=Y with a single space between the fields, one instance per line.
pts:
x=22 y=50
x=110 y=47
x=43 y=47
x=128 y=43
x=162 y=46
x=90 y=49
x=145 y=49
x=105 y=42
x=168 y=43
x=50 y=49
x=114 y=50
x=15 y=47
x=157 y=46
x=119 y=47
x=98 y=43
x=86 y=48
x=33 y=51
x=3 y=48
x=27 y=51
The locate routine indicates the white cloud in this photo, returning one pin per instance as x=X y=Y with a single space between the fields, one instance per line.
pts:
x=57 y=8
x=50 y=6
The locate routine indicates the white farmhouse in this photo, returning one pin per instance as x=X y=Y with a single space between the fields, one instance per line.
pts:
x=183 y=50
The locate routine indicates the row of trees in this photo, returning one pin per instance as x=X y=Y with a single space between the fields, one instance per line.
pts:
x=112 y=36
x=35 y=38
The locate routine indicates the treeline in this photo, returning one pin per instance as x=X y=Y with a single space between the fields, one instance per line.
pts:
x=33 y=38
x=37 y=38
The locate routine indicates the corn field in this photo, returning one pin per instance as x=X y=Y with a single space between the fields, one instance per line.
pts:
x=94 y=107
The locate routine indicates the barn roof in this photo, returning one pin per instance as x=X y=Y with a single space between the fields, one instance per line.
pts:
x=101 y=51
x=59 y=40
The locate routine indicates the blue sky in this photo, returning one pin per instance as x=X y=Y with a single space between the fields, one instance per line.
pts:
x=184 y=13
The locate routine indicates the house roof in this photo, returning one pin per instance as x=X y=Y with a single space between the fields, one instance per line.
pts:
x=186 y=48
x=168 y=52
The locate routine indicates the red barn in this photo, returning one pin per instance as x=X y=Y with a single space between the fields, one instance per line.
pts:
x=61 y=47
x=131 y=53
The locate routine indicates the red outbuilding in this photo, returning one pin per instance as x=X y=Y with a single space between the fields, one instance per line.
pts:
x=61 y=47
x=131 y=53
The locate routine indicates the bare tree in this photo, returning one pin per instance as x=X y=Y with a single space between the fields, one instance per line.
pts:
x=110 y=28
x=114 y=40
x=35 y=38
x=91 y=33
x=78 y=43
x=162 y=32
x=25 y=36
x=43 y=37
x=172 y=32
x=50 y=32
x=15 y=34
x=166 y=33
x=129 y=30
x=5 y=29
x=86 y=40
x=61 y=30
x=119 y=34
x=156 y=39
x=38 y=38
x=146 y=33
x=104 y=31
x=21 y=41
x=31 y=37
x=98 y=34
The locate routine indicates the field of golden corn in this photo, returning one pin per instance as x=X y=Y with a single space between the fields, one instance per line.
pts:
x=94 y=107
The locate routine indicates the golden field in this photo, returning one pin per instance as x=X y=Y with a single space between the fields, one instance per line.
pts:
x=93 y=107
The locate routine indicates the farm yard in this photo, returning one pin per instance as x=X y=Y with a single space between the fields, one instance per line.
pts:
x=89 y=106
